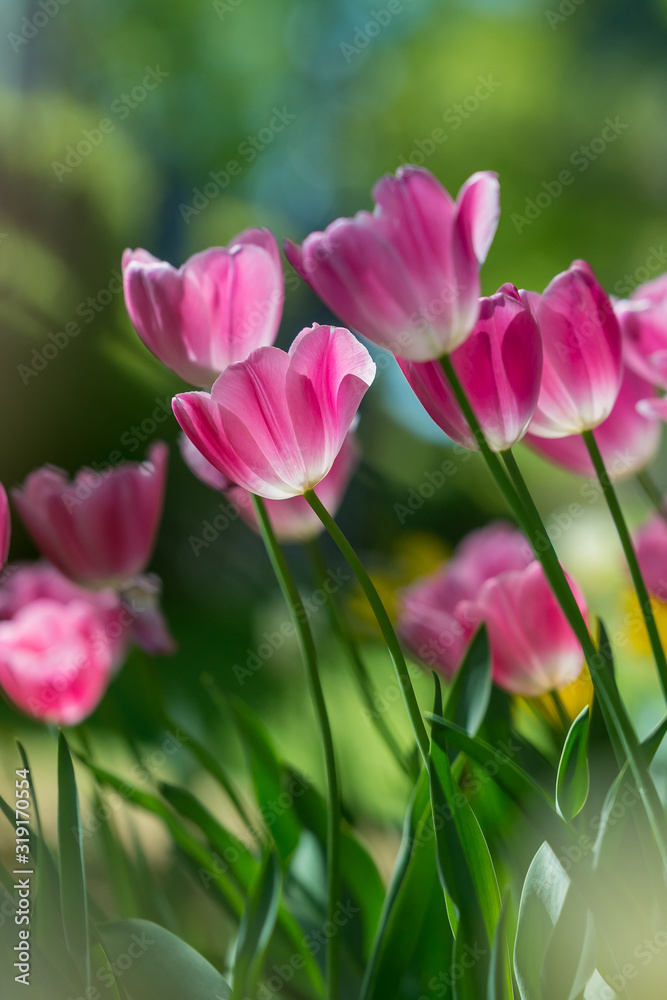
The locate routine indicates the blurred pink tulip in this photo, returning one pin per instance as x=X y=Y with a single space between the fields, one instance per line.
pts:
x=627 y=439
x=500 y=368
x=133 y=616
x=643 y=319
x=493 y=578
x=5 y=526
x=581 y=340
x=651 y=548
x=55 y=663
x=293 y=520
x=533 y=647
x=430 y=619
x=99 y=529
x=407 y=275
x=213 y=311
x=275 y=423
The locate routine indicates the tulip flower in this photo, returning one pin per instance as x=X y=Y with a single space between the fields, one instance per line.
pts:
x=643 y=319
x=99 y=529
x=5 y=526
x=133 y=616
x=581 y=339
x=24 y=584
x=407 y=275
x=213 y=311
x=499 y=367
x=494 y=578
x=274 y=424
x=293 y=520
x=53 y=664
x=627 y=439
x=430 y=616
x=533 y=646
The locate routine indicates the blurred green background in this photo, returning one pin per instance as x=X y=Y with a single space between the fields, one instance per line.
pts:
x=116 y=118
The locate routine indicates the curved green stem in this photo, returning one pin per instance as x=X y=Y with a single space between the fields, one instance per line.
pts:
x=387 y=629
x=630 y=557
x=523 y=506
x=307 y=644
x=611 y=705
x=359 y=669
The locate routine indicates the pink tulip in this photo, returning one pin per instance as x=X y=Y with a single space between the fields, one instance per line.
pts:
x=5 y=526
x=213 y=311
x=293 y=520
x=53 y=663
x=499 y=366
x=651 y=548
x=407 y=275
x=533 y=647
x=643 y=319
x=133 y=616
x=275 y=423
x=627 y=439
x=581 y=339
x=430 y=617
x=99 y=529
x=493 y=578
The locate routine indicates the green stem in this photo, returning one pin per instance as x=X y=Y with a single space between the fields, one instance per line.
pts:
x=307 y=644
x=387 y=629
x=359 y=670
x=652 y=492
x=611 y=705
x=522 y=504
x=630 y=556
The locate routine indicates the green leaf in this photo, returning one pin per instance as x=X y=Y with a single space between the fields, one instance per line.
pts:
x=155 y=963
x=232 y=853
x=259 y=920
x=267 y=772
x=33 y=794
x=360 y=877
x=466 y=874
x=211 y=873
x=553 y=958
x=414 y=934
x=500 y=975
x=573 y=778
x=496 y=761
x=73 y=900
x=211 y=764
x=653 y=741
x=469 y=694
x=570 y=956
x=104 y=973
